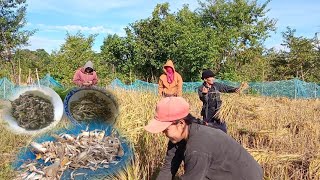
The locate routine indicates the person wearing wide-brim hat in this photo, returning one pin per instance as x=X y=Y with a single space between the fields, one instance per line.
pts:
x=209 y=94
x=208 y=153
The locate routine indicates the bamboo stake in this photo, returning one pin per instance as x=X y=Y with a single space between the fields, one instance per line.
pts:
x=315 y=90
x=29 y=81
x=38 y=77
x=29 y=77
x=4 y=89
x=19 y=78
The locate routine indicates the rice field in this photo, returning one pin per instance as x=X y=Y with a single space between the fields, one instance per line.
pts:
x=283 y=135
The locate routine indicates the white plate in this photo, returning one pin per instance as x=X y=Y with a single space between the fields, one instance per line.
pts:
x=44 y=92
x=77 y=93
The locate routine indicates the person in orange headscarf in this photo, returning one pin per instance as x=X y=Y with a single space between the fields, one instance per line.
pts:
x=170 y=82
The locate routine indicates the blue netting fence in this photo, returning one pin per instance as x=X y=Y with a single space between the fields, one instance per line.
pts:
x=48 y=81
x=7 y=87
x=293 y=88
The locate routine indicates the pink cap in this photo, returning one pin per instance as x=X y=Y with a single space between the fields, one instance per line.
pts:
x=168 y=109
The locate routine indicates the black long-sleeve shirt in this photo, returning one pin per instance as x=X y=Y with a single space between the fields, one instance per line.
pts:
x=210 y=154
x=211 y=100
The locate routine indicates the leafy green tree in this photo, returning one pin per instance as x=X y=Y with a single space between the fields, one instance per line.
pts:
x=221 y=35
x=28 y=60
x=12 y=20
x=152 y=37
x=242 y=27
x=150 y=42
x=300 y=58
x=117 y=54
x=73 y=54
x=196 y=47
x=179 y=37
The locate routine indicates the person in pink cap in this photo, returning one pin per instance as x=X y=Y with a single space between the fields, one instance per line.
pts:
x=208 y=153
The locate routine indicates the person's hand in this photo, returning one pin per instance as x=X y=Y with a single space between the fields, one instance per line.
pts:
x=87 y=83
x=205 y=90
x=242 y=87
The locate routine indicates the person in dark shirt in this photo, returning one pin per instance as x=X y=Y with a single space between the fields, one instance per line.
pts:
x=208 y=153
x=209 y=94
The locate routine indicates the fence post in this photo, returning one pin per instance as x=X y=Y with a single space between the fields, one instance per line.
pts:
x=38 y=77
x=315 y=90
x=295 y=89
x=4 y=89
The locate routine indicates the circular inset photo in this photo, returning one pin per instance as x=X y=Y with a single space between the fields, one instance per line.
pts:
x=33 y=110
x=91 y=104
x=84 y=151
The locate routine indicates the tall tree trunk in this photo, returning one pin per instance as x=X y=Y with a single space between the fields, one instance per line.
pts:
x=8 y=56
x=13 y=69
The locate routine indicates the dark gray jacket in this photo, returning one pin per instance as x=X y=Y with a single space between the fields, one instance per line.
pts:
x=212 y=101
x=210 y=154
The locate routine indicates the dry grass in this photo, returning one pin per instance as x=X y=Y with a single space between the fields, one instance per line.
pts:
x=283 y=135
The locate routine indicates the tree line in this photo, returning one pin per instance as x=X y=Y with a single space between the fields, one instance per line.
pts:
x=226 y=36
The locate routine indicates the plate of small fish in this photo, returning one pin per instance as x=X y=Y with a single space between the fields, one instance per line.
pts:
x=84 y=151
x=88 y=104
x=33 y=110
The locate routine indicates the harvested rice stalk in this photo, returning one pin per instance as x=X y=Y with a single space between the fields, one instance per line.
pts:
x=32 y=112
x=265 y=156
x=314 y=168
x=90 y=150
x=90 y=107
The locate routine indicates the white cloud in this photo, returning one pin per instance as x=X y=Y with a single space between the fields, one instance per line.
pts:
x=47 y=39
x=84 y=29
x=279 y=47
x=47 y=44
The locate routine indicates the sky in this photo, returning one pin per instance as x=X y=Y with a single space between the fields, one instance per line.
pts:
x=54 y=18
